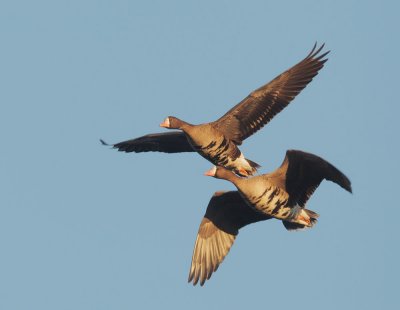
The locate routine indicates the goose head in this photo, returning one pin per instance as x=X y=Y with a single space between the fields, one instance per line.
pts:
x=172 y=122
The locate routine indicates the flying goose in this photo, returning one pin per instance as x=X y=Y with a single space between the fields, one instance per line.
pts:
x=218 y=141
x=284 y=192
x=281 y=194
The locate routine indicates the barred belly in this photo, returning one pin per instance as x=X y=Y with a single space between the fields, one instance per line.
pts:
x=273 y=201
x=221 y=153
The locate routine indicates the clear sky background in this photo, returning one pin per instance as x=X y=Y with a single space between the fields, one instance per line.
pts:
x=85 y=227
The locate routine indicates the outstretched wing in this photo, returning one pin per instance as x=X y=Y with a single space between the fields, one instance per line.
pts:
x=167 y=142
x=226 y=213
x=304 y=173
x=211 y=247
x=257 y=109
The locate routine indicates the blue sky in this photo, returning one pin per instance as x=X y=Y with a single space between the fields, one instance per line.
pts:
x=86 y=227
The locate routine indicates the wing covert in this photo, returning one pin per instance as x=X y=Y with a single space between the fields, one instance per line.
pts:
x=257 y=109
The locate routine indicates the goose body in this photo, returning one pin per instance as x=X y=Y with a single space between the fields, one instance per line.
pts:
x=281 y=194
x=266 y=197
x=218 y=141
x=211 y=144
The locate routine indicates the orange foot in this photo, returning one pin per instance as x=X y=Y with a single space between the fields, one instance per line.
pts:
x=243 y=172
x=304 y=220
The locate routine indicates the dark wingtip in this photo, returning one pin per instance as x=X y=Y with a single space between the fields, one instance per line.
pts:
x=315 y=52
x=104 y=142
x=346 y=184
x=349 y=189
x=313 y=49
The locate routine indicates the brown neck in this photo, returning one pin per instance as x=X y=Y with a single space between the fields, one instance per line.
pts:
x=177 y=123
x=223 y=173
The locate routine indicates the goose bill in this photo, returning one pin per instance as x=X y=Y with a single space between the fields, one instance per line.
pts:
x=211 y=172
x=165 y=123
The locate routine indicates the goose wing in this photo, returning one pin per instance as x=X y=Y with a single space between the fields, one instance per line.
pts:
x=166 y=142
x=226 y=213
x=257 y=109
x=303 y=172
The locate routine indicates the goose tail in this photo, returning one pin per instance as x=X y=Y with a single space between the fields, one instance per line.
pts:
x=306 y=219
x=253 y=165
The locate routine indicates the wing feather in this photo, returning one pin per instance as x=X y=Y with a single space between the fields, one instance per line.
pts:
x=305 y=172
x=257 y=109
x=226 y=213
x=166 y=142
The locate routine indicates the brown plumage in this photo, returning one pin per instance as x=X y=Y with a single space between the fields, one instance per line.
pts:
x=217 y=141
x=284 y=193
x=286 y=189
x=258 y=108
x=226 y=213
x=166 y=142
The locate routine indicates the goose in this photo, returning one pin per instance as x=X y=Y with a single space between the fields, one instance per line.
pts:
x=218 y=141
x=284 y=192
x=281 y=194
